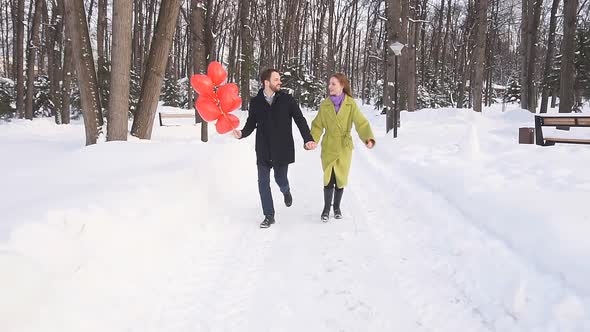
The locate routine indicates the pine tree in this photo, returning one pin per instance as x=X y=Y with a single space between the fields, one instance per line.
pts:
x=43 y=104
x=134 y=92
x=304 y=87
x=170 y=95
x=7 y=99
x=512 y=94
x=377 y=94
x=104 y=86
x=553 y=80
x=183 y=93
x=581 y=64
x=424 y=97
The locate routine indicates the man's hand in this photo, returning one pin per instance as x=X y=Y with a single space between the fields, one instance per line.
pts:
x=310 y=145
x=237 y=133
x=370 y=144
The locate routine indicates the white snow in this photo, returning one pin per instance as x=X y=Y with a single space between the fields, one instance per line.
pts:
x=7 y=82
x=453 y=226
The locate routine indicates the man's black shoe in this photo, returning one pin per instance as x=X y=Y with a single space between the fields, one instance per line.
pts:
x=288 y=198
x=268 y=220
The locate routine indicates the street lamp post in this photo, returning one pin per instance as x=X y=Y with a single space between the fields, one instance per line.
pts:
x=396 y=47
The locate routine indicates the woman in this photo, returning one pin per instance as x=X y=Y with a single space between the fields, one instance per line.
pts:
x=335 y=118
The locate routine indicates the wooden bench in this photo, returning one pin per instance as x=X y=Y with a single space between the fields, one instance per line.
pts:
x=560 y=121
x=177 y=116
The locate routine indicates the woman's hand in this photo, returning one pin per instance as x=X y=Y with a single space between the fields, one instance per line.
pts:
x=370 y=144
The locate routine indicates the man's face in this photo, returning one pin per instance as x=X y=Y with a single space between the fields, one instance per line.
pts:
x=275 y=82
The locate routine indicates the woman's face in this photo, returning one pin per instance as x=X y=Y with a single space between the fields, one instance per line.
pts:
x=335 y=88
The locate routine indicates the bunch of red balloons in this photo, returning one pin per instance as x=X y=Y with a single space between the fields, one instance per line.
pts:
x=217 y=100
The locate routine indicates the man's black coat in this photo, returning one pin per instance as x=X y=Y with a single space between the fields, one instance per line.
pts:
x=273 y=124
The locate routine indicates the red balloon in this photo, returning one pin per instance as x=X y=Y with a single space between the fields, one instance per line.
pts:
x=231 y=88
x=227 y=123
x=216 y=72
x=207 y=108
x=228 y=97
x=203 y=85
x=230 y=103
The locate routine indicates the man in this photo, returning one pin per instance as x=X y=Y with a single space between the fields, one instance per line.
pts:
x=271 y=113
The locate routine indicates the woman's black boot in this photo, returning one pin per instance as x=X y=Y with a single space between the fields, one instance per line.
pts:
x=337 y=199
x=328 y=193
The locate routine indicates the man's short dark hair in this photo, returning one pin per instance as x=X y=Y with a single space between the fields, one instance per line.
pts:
x=265 y=76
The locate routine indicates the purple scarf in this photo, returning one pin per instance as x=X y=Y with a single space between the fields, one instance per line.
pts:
x=337 y=101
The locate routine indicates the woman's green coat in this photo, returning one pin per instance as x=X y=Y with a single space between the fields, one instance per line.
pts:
x=336 y=140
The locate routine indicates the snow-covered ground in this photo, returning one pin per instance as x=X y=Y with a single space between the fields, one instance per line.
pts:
x=453 y=226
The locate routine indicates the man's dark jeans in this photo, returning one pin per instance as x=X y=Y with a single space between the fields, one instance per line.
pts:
x=280 y=173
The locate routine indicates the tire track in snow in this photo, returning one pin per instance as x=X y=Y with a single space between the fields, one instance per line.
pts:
x=422 y=270
x=447 y=256
x=429 y=296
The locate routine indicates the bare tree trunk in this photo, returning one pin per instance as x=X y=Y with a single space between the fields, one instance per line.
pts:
x=55 y=60
x=42 y=66
x=524 y=51
x=466 y=64
x=200 y=42
x=354 y=65
x=444 y=54
x=319 y=43
x=266 y=60
x=68 y=68
x=209 y=53
x=423 y=13
x=120 y=67
x=4 y=39
x=411 y=53
x=156 y=65
x=246 y=64
x=234 y=47
x=436 y=42
x=463 y=76
x=31 y=52
x=479 y=54
x=393 y=10
x=19 y=58
x=567 y=81
x=138 y=50
x=370 y=34
x=149 y=25
x=532 y=54
x=84 y=62
x=549 y=56
x=101 y=28
x=403 y=65
x=8 y=46
x=331 y=39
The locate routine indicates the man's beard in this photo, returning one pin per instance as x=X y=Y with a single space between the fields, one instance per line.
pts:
x=275 y=88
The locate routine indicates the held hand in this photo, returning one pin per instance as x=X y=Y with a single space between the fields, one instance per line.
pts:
x=311 y=145
x=370 y=144
x=237 y=133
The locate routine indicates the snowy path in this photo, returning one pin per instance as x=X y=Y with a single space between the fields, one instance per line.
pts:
x=408 y=260
x=175 y=246
x=299 y=274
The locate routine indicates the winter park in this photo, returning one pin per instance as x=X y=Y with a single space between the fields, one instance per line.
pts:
x=294 y=165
